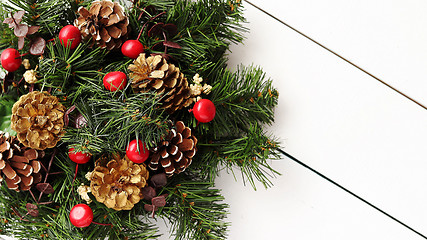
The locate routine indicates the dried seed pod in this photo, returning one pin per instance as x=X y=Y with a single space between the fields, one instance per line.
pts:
x=104 y=24
x=175 y=153
x=118 y=183
x=37 y=117
x=19 y=165
x=155 y=74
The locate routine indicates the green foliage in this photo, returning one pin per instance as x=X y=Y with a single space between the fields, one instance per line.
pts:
x=196 y=210
x=241 y=96
x=60 y=68
x=49 y=15
x=249 y=154
x=234 y=140
x=205 y=35
x=6 y=103
x=112 y=124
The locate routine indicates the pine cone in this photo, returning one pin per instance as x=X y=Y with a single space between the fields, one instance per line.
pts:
x=19 y=165
x=105 y=24
x=37 y=117
x=118 y=184
x=175 y=153
x=155 y=74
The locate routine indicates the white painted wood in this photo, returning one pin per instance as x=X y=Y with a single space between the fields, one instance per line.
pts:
x=339 y=121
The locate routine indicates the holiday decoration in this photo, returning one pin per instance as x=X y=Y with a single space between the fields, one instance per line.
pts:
x=114 y=81
x=20 y=166
x=175 y=153
x=137 y=152
x=30 y=76
x=137 y=107
x=78 y=157
x=204 y=110
x=11 y=59
x=81 y=215
x=155 y=74
x=197 y=88
x=132 y=48
x=26 y=63
x=38 y=119
x=104 y=24
x=70 y=36
x=118 y=183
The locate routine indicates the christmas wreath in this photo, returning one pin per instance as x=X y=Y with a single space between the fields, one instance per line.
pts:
x=116 y=113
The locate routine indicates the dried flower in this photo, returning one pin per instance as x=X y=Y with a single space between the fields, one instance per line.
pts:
x=197 y=79
x=88 y=176
x=207 y=89
x=197 y=89
x=22 y=31
x=30 y=76
x=26 y=63
x=83 y=191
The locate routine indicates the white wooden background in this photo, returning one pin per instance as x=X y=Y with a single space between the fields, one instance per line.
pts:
x=339 y=121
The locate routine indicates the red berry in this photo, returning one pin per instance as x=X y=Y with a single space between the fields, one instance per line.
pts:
x=114 y=81
x=132 y=48
x=79 y=157
x=81 y=215
x=204 y=110
x=133 y=154
x=11 y=59
x=70 y=33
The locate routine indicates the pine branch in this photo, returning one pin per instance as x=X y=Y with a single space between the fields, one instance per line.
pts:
x=112 y=123
x=60 y=67
x=196 y=211
x=206 y=29
x=242 y=99
x=249 y=154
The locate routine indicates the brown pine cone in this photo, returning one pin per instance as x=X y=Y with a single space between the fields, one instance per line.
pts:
x=155 y=74
x=37 y=117
x=105 y=24
x=20 y=166
x=175 y=153
x=118 y=184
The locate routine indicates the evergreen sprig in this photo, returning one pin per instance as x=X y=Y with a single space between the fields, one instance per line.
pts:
x=196 y=210
x=60 y=68
x=249 y=154
x=243 y=98
x=112 y=123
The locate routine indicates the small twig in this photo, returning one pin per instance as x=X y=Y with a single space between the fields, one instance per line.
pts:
x=25 y=54
x=164 y=36
x=149 y=20
x=32 y=195
x=55 y=150
x=103 y=224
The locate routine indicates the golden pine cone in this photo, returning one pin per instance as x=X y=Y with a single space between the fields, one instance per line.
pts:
x=105 y=24
x=176 y=152
x=20 y=166
x=118 y=184
x=38 y=118
x=155 y=74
